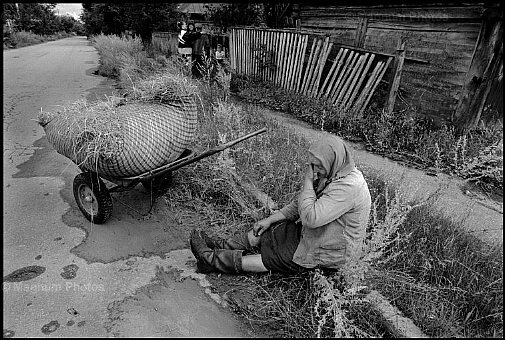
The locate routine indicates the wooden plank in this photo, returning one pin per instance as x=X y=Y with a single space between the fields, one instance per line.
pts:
x=348 y=79
x=232 y=47
x=247 y=58
x=317 y=64
x=354 y=79
x=358 y=85
x=292 y=61
x=278 y=48
x=410 y=12
x=289 y=52
x=271 y=43
x=238 y=51
x=296 y=54
x=361 y=31
x=425 y=27
x=250 y=57
x=244 y=49
x=488 y=53
x=299 y=70
x=340 y=63
x=343 y=75
x=267 y=58
x=306 y=73
x=368 y=86
x=244 y=52
x=282 y=59
x=379 y=78
x=312 y=65
x=316 y=87
x=254 y=52
x=275 y=50
x=397 y=73
x=257 y=46
x=328 y=76
x=287 y=57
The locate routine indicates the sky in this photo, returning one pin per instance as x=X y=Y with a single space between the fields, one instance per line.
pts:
x=73 y=9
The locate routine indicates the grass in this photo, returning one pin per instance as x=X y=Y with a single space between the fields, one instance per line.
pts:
x=24 y=38
x=400 y=135
x=447 y=281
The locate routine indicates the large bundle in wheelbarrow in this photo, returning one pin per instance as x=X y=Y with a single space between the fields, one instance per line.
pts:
x=124 y=140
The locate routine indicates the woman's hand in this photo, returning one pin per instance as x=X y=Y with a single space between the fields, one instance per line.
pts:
x=309 y=177
x=261 y=226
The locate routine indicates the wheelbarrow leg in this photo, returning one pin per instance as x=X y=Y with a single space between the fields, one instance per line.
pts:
x=152 y=199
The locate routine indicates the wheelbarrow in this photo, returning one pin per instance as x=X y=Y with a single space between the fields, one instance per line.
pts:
x=93 y=197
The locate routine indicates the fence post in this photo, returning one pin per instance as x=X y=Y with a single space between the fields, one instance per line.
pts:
x=394 y=82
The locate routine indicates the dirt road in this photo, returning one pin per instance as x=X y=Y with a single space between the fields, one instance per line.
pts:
x=132 y=276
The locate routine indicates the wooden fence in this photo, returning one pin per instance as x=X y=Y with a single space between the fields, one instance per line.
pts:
x=308 y=64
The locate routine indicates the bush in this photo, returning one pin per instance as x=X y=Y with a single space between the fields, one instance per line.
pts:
x=23 y=38
x=401 y=135
x=116 y=51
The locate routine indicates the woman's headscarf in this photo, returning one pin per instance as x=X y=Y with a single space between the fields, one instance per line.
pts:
x=335 y=159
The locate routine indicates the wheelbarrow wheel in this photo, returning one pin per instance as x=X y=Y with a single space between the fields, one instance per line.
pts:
x=92 y=197
x=155 y=184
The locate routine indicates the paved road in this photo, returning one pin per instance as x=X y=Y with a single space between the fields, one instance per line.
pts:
x=129 y=277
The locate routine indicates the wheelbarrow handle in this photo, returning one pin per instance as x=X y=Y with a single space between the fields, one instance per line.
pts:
x=217 y=149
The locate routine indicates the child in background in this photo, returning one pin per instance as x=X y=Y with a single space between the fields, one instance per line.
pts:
x=220 y=54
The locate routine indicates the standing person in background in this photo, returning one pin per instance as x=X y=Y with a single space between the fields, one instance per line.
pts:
x=201 y=48
x=187 y=36
x=184 y=48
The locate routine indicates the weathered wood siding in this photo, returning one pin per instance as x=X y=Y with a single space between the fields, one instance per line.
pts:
x=444 y=36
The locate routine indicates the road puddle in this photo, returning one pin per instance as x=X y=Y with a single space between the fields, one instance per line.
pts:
x=24 y=274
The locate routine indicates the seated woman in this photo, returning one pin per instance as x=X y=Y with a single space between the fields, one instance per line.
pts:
x=317 y=229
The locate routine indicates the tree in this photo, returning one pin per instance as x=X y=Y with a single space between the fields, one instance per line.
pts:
x=141 y=18
x=236 y=14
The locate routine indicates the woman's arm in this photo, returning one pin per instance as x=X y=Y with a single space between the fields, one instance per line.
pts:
x=261 y=226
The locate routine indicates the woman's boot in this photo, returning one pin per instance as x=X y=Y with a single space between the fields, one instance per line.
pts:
x=237 y=241
x=209 y=260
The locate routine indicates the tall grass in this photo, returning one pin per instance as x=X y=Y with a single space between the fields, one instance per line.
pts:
x=402 y=135
x=27 y=38
x=114 y=51
x=447 y=281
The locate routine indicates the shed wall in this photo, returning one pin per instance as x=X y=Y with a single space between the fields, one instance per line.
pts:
x=443 y=36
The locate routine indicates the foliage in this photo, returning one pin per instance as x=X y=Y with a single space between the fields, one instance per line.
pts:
x=141 y=18
x=236 y=14
x=399 y=135
x=39 y=19
x=114 y=51
x=448 y=281
x=23 y=38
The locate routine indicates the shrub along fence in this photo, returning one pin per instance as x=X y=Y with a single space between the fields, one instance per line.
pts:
x=313 y=65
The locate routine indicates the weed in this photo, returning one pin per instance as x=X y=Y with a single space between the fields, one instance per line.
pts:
x=447 y=281
x=399 y=134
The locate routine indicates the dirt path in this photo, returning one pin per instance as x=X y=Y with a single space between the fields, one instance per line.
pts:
x=478 y=214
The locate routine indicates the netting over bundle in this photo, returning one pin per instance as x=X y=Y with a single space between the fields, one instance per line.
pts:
x=122 y=141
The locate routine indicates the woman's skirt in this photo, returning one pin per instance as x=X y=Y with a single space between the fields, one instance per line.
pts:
x=278 y=245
